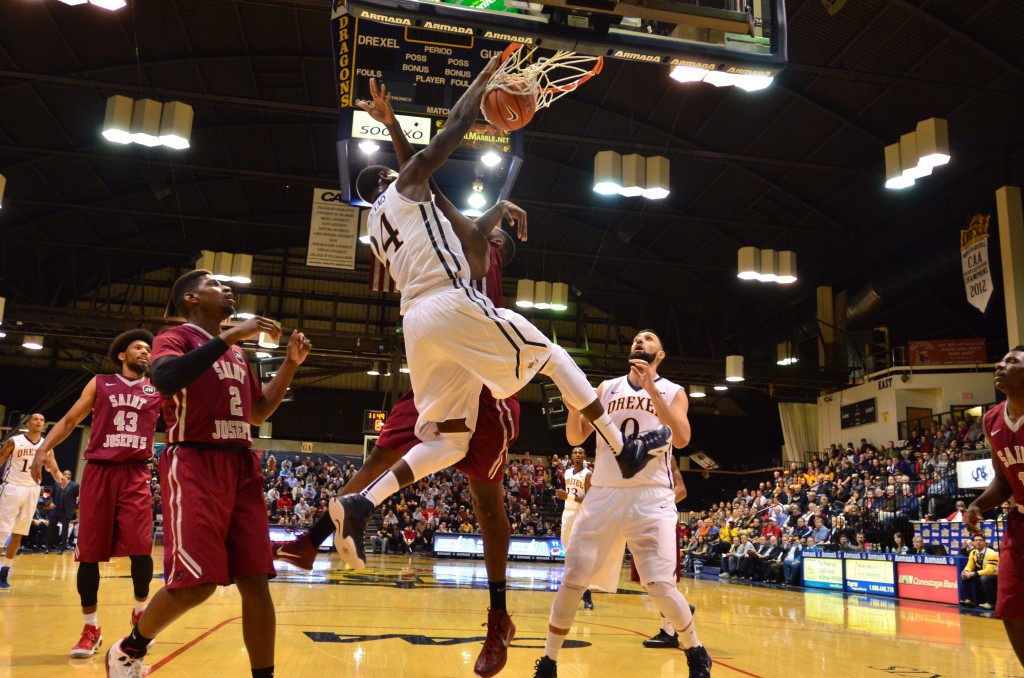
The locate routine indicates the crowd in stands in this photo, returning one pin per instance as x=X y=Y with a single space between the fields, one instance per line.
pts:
x=862 y=497
x=298 y=488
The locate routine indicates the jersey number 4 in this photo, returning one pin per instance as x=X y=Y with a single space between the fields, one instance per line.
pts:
x=126 y=421
x=392 y=240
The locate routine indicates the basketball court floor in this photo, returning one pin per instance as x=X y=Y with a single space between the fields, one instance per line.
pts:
x=422 y=618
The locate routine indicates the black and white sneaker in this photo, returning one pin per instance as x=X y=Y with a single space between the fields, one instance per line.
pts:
x=545 y=668
x=639 y=449
x=350 y=515
x=662 y=640
x=699 y=662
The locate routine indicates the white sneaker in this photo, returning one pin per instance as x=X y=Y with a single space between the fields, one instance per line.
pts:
x=121 y=665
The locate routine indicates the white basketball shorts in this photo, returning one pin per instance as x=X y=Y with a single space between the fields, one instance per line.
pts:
x=644 y=517
x=456 y=341
x=17 y=506
x=568 y=520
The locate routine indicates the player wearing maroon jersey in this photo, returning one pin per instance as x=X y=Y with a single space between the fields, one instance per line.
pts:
x=497 y=427
x=116 y=505
x=1004 y=428
x=210 y=400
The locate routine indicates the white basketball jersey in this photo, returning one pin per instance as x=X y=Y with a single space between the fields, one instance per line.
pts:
x=575 y=486
x=417 y=244
x=632 y=411
x=19 y=465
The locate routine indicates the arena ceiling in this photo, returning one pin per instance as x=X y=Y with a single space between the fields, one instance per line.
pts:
x=91 y=234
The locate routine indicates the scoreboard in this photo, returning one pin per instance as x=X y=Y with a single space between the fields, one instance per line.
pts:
x=425 y=70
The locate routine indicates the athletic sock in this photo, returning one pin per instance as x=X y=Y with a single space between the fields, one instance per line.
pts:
x=382 y=488
x=609 y=431
x=136 y=644
x=6 y=562
x=497 y=590
x=140 y=607
x=553 y=645
x=90 y=619
x=321 y=529
x=667 y=627
x=267 y=672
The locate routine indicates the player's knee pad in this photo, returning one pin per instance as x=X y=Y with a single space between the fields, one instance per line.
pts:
x=563 y=610
x=88 y=583
x=569 y=378
x=433 y=455
x=142 y=575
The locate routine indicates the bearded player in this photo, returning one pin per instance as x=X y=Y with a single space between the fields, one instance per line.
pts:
x=1004 y=428
x=116 y=504
x=638 y=510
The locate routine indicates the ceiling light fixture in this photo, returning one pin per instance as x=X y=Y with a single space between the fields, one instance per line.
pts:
x=559 y=297
x=910 y=160
x=146 y=122
x=634 y=170
x=490 y=159
x=266 y=430
x=656 y=179
x=3 y=185
x=932 y=142
x=245 y=309
x=749 y=261
x=542 y=295
x=241 y=269
x=786 y=273
x=768 y=266
x=688 y=74
x=476 y=200
x=721 y=387
x=368 y=147
x=784 y=354
x=263 y=355
x=222 y=266
x=175 y=125
x=376 y=367
x=32 y=342
x=734 y=368
x=697 y=392
x=525 y=293
x=117 y=122
x=110 y=4
x=894 y=178
x=607 y=173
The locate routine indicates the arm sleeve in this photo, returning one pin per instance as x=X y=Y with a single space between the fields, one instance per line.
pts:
x=171 y=373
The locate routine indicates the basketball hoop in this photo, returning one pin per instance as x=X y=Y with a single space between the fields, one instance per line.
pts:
x=548 y=78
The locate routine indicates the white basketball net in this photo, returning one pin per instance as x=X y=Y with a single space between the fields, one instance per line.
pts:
x=547 y=78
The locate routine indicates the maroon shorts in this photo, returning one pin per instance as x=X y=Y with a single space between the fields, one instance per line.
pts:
x=215 y=519
x=115 y=511
x=497 y=427
x=1010 y=597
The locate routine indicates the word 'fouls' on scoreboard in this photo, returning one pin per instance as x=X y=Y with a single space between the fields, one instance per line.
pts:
x=426 y=71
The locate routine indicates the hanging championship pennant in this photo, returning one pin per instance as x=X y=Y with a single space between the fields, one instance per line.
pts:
x=974 y=258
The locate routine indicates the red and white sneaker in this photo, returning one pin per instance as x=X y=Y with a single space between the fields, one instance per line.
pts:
x=136 y=616
x=500 y=632
x=120 y=664
x=301 y=553
x=89 y=642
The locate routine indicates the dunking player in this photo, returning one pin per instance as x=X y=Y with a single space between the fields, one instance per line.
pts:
x=1005 y=433
x=456 y=341
x=210 y=399
x=577 y=482
x=638 y=510
x=496 y=429
x=19 y=491
x=116 y=504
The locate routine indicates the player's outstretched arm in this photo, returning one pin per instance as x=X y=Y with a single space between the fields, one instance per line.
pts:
x=474 y=245
x=412 y=181
x=298 y=348
x=63 y=428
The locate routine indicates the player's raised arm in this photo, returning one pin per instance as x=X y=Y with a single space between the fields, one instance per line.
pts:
x=474 y=247
x=577 y=428
x=412 y=181
x=63 y=428
x=298 y=348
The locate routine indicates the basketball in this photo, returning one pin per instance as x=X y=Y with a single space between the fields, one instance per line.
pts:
x=509 y=111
